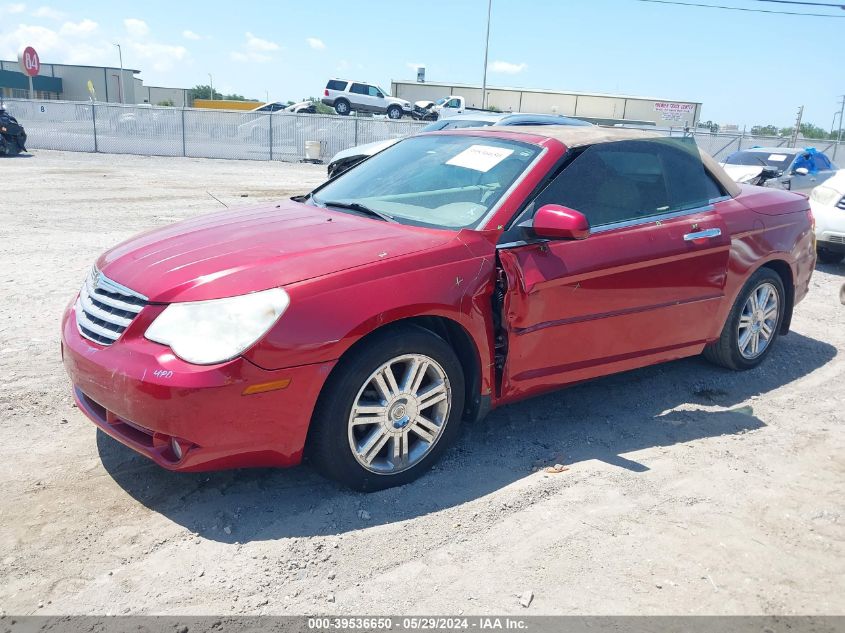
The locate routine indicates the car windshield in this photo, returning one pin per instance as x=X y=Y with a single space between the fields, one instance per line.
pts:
x=780 y=160
x=439 y=180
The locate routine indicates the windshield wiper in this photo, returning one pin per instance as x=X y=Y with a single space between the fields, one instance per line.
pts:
x=360 y=208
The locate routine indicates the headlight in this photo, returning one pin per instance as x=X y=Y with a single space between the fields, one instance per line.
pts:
x=208 y=332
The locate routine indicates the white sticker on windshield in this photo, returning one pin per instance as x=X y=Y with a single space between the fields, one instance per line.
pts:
x=777 y=157
x=480 y=157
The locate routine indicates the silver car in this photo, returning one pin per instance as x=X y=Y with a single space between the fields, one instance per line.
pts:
x=348 y=158
x=794 y=168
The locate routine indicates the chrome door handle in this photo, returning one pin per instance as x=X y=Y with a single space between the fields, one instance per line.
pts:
x=705 y=234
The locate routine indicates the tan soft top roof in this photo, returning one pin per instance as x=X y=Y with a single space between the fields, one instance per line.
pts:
x=578 y=136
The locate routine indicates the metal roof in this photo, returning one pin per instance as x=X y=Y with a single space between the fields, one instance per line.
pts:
x=543 y=91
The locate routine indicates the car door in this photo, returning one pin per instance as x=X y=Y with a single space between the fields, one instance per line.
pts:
x=645 y=286
x=818 y=169
x=378 y=102
x=359 y=95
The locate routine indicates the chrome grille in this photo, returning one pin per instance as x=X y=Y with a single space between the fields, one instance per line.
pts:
x=105 y=308
x=838 y=239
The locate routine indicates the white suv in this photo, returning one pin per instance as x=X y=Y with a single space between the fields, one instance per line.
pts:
x=347 y=96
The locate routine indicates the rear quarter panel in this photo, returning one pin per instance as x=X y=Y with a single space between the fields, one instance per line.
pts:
x=767 y=225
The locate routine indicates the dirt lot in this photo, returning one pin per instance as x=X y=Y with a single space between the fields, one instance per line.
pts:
x=690 y=489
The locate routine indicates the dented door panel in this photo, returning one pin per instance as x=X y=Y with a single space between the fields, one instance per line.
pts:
x=619 y=299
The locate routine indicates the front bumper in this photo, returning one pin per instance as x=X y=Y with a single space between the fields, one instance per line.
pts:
x=140 y=394
x=831 y=240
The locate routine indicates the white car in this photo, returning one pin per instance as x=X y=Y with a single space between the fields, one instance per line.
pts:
x=357 y=96
x=828 y=204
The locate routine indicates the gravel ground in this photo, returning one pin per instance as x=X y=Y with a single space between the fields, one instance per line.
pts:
x=689 y=489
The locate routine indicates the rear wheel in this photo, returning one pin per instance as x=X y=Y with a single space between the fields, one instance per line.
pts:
x=389 y=411
x=827 y=256
x=342 y=107
x=752 y=325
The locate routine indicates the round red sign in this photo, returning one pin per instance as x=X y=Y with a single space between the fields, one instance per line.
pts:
x=29 y=62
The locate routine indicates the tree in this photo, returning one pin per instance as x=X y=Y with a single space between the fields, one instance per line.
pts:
x=320 y=107
x=808 y=130
x=709 y=125
x=202 y=91
x=166 y=102
x=764 y=130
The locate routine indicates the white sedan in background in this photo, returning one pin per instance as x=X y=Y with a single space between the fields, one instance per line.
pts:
x=828 y=204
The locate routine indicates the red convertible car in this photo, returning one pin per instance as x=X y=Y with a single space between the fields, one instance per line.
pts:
x=449 y=274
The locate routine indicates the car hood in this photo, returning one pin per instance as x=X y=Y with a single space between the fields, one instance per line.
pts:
x=250 y=249
x=365 y=150
x=402 y=102
x=742 y=173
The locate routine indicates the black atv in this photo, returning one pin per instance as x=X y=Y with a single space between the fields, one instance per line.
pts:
x=12 y=135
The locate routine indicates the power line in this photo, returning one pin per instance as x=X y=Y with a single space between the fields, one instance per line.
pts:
x=809 y=4
x=718 y=6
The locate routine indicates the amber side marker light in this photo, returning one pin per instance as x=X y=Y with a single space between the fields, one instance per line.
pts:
x=266 y=386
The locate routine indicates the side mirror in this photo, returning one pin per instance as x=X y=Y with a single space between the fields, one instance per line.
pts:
x=802 y=171
x=380 y=96
x=557 y=222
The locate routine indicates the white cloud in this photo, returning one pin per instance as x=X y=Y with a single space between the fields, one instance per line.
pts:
x=190 y=35
x=82 y=28
x=255 y=50
x=83 y=43
x=136 y=27
x=254 y=43
x=49 y=13
x=507 y=68
x=315 y=43
x=43 y=39
x=158 y=56
x=12 y=8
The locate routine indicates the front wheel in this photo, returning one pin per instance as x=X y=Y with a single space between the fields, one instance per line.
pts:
x=389 y=410
x=752 y=325
x=394 y=112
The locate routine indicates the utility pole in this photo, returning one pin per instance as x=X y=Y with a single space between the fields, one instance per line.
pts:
x=120 y=77
x=794 y=140
x=839 y=135
x=211 y=86
x=486 y=48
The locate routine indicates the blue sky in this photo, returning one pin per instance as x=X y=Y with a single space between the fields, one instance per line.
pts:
x=746 y=68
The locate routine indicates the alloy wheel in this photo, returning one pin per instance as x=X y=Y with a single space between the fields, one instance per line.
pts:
x=758 y=320
x=399 y=414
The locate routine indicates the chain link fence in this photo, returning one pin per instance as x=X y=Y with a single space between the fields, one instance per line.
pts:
x=162 y=131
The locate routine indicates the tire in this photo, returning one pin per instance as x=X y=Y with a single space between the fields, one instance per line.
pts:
x=342 y=107
x=394 y=112
x=732 y=349
x=362 y=456
x=826 y=256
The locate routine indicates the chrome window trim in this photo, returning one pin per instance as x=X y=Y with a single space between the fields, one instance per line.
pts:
x=651 y=218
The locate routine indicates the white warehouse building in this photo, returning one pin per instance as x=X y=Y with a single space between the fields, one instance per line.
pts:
x=595 y=107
